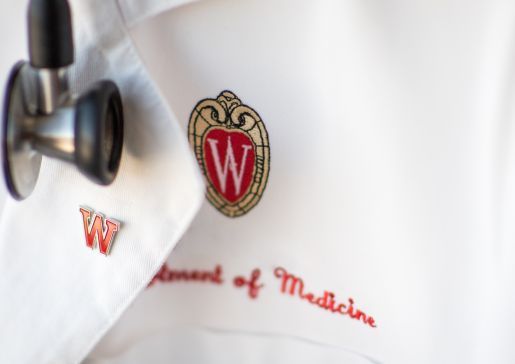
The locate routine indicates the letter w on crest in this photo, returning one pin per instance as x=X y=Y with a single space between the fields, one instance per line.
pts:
x=230 y=164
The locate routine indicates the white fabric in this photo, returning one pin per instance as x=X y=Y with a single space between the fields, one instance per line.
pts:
x=392 y=175
x=136 y=11
x=199 y=346
x=57 y=296
x=392 y=181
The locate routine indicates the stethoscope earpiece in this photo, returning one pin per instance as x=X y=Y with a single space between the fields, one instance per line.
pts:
x=41 y=117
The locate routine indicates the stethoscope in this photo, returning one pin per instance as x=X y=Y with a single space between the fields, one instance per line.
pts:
x=42 y=117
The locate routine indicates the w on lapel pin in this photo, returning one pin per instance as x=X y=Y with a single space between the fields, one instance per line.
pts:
x=98 y=230
x=232 y=148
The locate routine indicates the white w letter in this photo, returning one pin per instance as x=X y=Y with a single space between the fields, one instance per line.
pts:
x=229 y=164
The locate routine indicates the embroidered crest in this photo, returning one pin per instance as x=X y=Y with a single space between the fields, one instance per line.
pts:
x=231 y=145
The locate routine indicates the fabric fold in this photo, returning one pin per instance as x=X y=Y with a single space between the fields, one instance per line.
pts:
x=58 y=294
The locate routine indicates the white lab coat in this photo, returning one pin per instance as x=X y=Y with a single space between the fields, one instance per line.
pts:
x=392 y=182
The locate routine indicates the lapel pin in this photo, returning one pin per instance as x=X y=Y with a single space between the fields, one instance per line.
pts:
x=99 y=230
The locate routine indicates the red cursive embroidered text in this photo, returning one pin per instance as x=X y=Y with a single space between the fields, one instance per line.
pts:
x=166 y=274
x=252 y=283
x=293 y=285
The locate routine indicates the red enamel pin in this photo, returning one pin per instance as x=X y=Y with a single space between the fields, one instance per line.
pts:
x=98 y=230
x=232 y=148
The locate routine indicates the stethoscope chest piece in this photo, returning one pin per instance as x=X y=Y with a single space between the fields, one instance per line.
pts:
x=42 y=117
x=21 y=163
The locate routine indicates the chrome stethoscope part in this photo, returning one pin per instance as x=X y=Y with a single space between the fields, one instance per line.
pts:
x=41 y=117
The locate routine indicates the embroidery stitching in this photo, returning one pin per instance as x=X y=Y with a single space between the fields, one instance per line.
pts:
x=253 y=286
x=289 y=285
x=231 y=145
x=165 y=274
x=326 y=302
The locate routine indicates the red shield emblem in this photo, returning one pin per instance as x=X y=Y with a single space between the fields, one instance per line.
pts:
x=231 y=145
